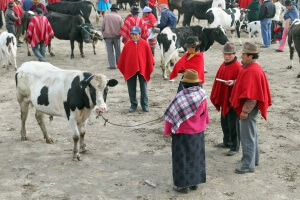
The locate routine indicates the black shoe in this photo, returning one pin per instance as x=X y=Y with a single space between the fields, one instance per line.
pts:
x=181 y=190
x=256 y=163
x=243 y=170
x=146 y=109
x=231 y=153
x=263 y=46
x=278 y=50
x=222 y=145
x=194 y=187
x=131 y=110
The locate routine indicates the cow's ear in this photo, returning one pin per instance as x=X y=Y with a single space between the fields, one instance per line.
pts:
x=87 y=81
x=112 y=82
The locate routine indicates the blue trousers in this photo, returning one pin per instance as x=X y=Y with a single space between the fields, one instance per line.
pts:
x=266 y=31
x=131 y=84
x=39 y=51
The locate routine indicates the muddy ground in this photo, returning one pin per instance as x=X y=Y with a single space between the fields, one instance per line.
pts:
x=122 y=159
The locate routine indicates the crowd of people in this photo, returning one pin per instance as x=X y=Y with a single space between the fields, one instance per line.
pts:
x=240 y=89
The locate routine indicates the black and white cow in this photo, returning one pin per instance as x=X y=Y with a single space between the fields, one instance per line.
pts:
x=192 y=8
x=230 y=19
x=254 y=30
x=53 y=91
x=8 y=50
x=294 y=42
x=172 y=41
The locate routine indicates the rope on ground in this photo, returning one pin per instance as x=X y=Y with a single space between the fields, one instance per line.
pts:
x=106 y=121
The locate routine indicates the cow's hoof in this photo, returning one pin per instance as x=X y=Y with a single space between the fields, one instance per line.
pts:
x=49 y=140
x=76 y=157
x=52 y=54
x=82 y=56
x=28 y=54
x=298 y=76
x=289 y=67
x=23 y=138
x=85 y=151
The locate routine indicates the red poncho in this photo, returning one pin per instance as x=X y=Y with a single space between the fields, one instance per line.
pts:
x=244 y=3
x=196 y=62
x=221 y=92
x=53 y=1
x=18 y=11
x=39 y=29
x=150 y=20
x=3 y=4
x=133 y=21
x=136 y=57
x=251 y=83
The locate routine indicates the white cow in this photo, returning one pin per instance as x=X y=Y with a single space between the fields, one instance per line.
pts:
x=219 y=4
x=8 y=49
x=66 y=93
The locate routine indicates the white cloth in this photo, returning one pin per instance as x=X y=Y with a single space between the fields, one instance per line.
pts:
x=279 y=10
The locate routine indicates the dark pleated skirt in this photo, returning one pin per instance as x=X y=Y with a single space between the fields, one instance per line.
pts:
x=188 y=159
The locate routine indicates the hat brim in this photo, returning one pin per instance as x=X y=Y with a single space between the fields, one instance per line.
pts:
x=185 y=80
x=250 y=52
x=228 y=51
x=190 y=46
x=135 y=32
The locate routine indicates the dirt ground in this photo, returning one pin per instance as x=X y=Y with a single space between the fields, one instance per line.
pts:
x=123 y=159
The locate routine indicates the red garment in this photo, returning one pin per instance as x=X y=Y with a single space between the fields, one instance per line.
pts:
x=244 y=3
x=152 y=3
x=39 y=29
x=53 y=1
x=133 y=21
x=18 y=11
x=251 y=83
x=39 y=5
x=150 y=20
x=221 y=92
x=4 y=4
x=136 y=57
x=196 y=62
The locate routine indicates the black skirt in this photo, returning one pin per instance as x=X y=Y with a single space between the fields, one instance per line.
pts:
x=188 y=159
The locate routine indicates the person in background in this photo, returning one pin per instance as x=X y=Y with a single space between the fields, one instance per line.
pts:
x=167 y=18
x=185 y=120
x=150 y=21
x=52 y=1
x=250 y=94
x=10 y=19
x=18 y=11
x=152 y=5
x=289 y=16
x=133 y=20
x=253 y=13
x=136 y=61
x=111 y=26
x=36 y=4
x=276 y=19
x=102 y=7
x=266 y=13
x=278 y=31
x=192 y=59
x=220 y=94
x=39 y=33
x=27 y=4
x=3 y=7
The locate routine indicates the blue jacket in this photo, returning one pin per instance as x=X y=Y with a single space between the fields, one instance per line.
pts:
x=27 y=4
x=167 y=18
x=293 y=14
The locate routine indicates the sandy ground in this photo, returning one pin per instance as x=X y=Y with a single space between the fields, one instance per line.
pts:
x=123 y=158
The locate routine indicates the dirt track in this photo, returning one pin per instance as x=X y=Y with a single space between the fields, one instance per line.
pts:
x=122 y=158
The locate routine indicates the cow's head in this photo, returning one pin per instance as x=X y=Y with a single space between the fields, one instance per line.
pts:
x=98 y=86
x=85 y=32
x=96 y=35
x=219 y=35
x=243 y=17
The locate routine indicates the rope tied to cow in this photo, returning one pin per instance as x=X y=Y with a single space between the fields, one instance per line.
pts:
x=106 y=121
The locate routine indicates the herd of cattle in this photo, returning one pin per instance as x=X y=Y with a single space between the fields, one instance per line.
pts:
x=73 y=94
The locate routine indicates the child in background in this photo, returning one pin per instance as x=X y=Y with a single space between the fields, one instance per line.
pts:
x=278 y=31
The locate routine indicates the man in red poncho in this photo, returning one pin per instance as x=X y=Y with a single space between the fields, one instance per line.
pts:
x=39 y=34
x=250 y=94
x=136 y=60
x=220 y=94
x=36 y=4
x=133 y=20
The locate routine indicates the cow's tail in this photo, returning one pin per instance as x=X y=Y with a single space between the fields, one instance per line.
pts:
x=97 y=15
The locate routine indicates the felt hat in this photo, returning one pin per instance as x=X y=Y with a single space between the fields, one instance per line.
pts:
x=192 y=41
x=250 y=48
x=279 y=23
x=146 y=9
x=135 y=30
x=288 y=3
x=114 y=7
x=229 y=47
x=11 y=4
x=190 y=76
x=39 y=11
x=134 y=10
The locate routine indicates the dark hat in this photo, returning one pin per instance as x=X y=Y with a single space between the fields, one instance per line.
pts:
x=250 y=48
x=39 y=11
x=135 y=30
x=288 y=3
x=114 y=7
x=229 y=47
x=134 y=10
x=279 y=23
x=11 y=4
x=192 y=41
x=190 y=76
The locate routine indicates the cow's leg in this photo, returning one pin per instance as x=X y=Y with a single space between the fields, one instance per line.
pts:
x=238 y=32
x=94 y=47
x=163 y=67
x=24 y=113
x=72 y=49
x=40 y=120
x=50 y=51
x=75 y=131
x=81 y=49
x=83 y=148
x=292 y=50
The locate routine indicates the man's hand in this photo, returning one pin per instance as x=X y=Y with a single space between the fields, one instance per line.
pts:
x=230 y=82
x=243 y=115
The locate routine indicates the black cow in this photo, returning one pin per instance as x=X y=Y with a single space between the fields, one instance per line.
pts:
x=69 y=27
x=194 y=8
x=294 y=41
x=25 y=22
x=176 y=4
x=121 y=2
x=172 y=40
x=72 y=8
